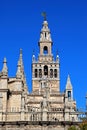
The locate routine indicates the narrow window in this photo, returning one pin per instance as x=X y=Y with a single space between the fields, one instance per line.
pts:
x=51 y=73
x=35 y=73
x=45 y=34
x=45 y=70
x=55 y=73
x=69 y=94
x=40 y=73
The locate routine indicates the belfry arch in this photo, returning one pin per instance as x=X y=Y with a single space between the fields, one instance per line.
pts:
x=46 y=70
x=45 y=50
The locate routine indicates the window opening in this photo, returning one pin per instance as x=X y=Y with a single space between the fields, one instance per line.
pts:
x=55 y=73
x=40 y=73
x=36 y=73
x=45 y=35
x=51 y=73
x=69 y=94
x=45 y=50
x=45 y=70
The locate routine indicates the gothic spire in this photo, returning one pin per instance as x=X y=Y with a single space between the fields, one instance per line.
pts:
x=5 y=69
x=18 y=74
x=21 y=61
x=20 y=70
x=68 y=84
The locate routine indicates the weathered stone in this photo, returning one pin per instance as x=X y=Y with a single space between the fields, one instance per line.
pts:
x=46 y=108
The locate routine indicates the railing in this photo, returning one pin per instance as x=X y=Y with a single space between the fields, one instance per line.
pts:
x=52 y=116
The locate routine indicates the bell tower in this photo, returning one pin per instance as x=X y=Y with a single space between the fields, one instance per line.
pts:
x=45 y=70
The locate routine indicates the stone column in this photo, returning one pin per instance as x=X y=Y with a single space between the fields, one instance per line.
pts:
x=44 y=115
x=22 y=109
x=44 y=118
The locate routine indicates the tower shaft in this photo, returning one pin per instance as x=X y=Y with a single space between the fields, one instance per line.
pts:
x=45 y=69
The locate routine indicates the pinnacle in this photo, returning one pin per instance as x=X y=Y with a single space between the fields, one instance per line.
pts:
x=68 y=84
x=5 y=69
x=20 y=69
x=5 y=61
x=68 y=79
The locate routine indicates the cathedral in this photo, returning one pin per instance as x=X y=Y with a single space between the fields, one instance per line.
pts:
x=45 y=108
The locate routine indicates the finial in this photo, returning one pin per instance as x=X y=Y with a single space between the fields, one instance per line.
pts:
x=5 y=61
x=20 y=58
x=44 y=15
x=57 y=54
x=20 y=51
x=5 y=69
x=33 y=57
x=68 y=77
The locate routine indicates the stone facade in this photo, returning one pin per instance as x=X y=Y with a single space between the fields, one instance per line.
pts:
x=46 y=107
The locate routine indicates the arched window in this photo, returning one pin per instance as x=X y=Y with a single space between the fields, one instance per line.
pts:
x=40 y=73
x=69 y=94
x=55 y=73
x=45 y=34
x=45 y=70
x=36 y=73
x=51 y=73
x=45 y=50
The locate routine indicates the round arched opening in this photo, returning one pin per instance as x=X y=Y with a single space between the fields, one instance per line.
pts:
x=45 y=70
x=45 y=50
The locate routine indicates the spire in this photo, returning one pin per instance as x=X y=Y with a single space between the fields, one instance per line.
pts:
x=20 y=70
x=69 y=91
x=5 y=69
x=18 y=74
x=21 y=60
x=68 y=84
x=21 y=64
x=45 y=35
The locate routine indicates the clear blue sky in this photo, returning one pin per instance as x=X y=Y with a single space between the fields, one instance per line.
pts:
x=20 y=25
